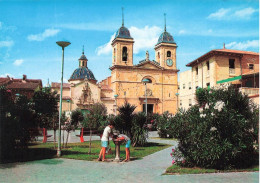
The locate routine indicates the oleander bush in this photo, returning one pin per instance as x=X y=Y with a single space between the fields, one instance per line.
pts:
x=219 y=132
x=163 y=124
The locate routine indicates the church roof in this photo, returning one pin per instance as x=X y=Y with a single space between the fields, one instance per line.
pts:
x=165 y=37
x=123 y=32
x=82 y=73
x=143 y=62
x=83 y=57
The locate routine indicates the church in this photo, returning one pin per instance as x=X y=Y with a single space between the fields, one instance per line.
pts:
x=126 y=83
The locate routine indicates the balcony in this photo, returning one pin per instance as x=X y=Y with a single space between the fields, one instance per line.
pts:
x=232 y=71
x=249 y=91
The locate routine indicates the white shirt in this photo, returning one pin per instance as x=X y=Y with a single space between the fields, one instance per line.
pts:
x=125 y=137
x=106 y=133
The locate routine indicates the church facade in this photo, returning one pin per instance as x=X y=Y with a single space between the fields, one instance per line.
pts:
x=126 y=81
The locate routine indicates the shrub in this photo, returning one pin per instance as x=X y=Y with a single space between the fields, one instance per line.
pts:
x=219 y=132
x=163 y=123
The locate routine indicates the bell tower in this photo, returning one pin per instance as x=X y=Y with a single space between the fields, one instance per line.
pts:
x=83 y=59
x=122 y=46
x=165 y=49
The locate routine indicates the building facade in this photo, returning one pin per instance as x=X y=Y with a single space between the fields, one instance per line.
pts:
x=240 y=68
x=126 y=81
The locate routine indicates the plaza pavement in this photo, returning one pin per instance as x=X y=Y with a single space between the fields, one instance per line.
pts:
x=149 y=169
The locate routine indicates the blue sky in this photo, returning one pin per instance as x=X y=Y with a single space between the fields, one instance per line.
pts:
x=29 y=31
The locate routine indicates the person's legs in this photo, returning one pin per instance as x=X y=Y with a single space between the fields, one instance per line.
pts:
x=104 y=146
x=127 y=150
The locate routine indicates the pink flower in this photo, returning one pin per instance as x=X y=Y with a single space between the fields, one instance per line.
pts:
x=172 y=150
x=171 y=154
x=173 y=161
x=183 y=161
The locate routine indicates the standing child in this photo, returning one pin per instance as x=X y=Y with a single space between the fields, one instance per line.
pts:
x=104 y=141
x=127 y=146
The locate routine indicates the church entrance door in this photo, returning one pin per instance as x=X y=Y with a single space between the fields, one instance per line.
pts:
x=149 y=108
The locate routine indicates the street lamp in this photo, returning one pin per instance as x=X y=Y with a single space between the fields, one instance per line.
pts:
x=116 y=102
x=145 y=81
x=62 y=44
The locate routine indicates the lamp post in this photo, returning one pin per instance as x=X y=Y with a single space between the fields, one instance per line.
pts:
x=62 y=44
x=145 y=81
x=116 y=102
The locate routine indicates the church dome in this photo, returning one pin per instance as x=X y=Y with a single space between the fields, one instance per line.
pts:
x=123 y=32
x=82 y=73
x=83 y=57
x=165 y=37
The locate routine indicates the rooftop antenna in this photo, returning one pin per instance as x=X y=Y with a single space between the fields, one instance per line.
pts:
x=122 y=17
x=83 y=50
x=224 y=47
x=164 y=22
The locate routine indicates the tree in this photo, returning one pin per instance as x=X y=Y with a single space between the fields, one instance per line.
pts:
x=95 y=118
x=46 y=106
x=123 y=122
x=139 y=129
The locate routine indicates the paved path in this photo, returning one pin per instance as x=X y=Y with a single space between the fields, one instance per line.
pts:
x=149 y=169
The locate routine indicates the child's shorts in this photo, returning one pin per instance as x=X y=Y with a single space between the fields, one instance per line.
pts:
x=128 y=143
x=104 y=143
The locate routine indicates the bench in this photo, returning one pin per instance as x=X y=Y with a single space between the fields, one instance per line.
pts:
x=86 y=132
x=37 y=132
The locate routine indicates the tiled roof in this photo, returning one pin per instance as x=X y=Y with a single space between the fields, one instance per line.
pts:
x=220 y=51
x=166 y=37
x=143 y=62
x=123 y=32
x=82 y=73
x=57 y=85
x=25 y=84
x=105 y=87
x=236 y=51
x=21 y=85
x=3 y=80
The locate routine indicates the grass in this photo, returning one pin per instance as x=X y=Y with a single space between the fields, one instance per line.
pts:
x=80 y=151
x=175 y=169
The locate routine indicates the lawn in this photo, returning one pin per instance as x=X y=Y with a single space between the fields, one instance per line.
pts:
x=175 y=169
x=80 y=151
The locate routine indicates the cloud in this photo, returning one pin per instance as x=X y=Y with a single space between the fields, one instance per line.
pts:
x=106 y=48
x=182 y=32
x=6 y=74
x=245 y=13
x=40 y=37
x=6 y=43
x=145 y=38
x=231 y=14
x=221 y=13
x=243 y=45
x=18 y=62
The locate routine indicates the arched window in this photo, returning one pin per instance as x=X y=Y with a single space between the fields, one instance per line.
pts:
x=169 y=54
x=158 y=55
x=124 y=54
